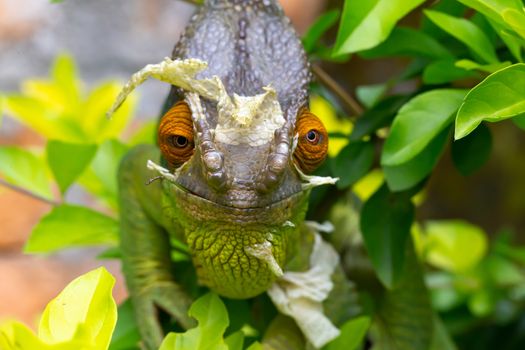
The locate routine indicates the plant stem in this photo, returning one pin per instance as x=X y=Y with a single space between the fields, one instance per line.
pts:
x=194 y=2
x=28 y=193
x=347 y=99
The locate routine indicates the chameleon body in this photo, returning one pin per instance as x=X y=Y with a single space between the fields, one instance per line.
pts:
x=238 y=202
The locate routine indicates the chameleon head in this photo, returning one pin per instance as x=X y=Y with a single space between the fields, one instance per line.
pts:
x=239 y=187
x=235 y=177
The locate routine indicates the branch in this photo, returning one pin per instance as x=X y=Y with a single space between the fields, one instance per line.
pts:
x=28 y=193
x=194 y=2
x=347 y=99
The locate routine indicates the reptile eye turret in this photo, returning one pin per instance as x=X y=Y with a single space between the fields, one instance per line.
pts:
x=176 y=135
x=312 y=144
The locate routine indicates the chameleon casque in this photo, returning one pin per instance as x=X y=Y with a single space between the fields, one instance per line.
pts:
x=236 y=140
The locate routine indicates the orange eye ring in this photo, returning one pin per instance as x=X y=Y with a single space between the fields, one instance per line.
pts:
x=176 y=135
x=312 y=144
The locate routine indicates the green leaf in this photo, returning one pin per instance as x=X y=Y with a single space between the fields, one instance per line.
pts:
x=446 y=241
x=466 y=32
x=445 y=71
x=212 y=316
x=100 y=178
x=235 y=341
x=352 y=335
x=72 y=226
x=84 y=310
x=488 y=68
x=385 y=223
x=408 y=42
x=126 y=335
x=68 y=160
x=377 y=117
x=320 y=26
x=42 y=118
x=515 y=19
x=17 y=336
x=407 y=175
x=22 y=168
x=146 y=134
x=500 y=96
x=353 y=162
x=64 y=73
x=370 y=94
x=471 y=152
x=513 y=42
x=403 y=315
x=418 y=122
x=441 y=340
x=519 y=121
x=365 y=24
x=92 y=115
x=492 y=9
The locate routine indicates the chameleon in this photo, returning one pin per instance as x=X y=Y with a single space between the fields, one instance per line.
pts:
x=236 y=142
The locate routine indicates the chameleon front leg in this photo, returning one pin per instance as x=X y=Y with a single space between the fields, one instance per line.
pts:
x=146 y=249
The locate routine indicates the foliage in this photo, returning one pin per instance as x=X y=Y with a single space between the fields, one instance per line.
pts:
x=82 y=317
x=428 y=284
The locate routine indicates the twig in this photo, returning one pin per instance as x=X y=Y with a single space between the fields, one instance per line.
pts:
x=325 y=79
x=194 y=2
x=28 y=193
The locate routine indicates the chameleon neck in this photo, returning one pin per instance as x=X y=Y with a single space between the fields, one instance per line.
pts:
x=238 y=253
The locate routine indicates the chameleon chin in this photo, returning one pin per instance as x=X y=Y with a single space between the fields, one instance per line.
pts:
x=236 y=142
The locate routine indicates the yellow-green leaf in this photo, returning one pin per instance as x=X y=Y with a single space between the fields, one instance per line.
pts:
x=85 y=311
x=70 y=226
x=365 y=24
x=454 y=245
x=68 y=160
x=22 y=168
x=213 y=320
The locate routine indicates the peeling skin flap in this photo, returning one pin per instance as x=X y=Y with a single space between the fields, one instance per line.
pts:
x=242 y=120
x=300 y=294
x=250 y=120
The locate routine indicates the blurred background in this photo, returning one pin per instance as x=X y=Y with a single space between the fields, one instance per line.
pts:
x=113 y=39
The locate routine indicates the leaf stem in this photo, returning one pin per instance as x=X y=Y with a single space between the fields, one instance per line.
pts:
x=325 y=79
x=28 y=193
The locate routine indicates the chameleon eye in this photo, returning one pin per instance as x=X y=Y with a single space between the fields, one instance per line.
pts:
x=312 y=144
x=176 y=135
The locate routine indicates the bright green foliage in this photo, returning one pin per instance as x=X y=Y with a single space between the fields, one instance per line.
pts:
x=466 y=32
x=82 y=317
x=353 y=162
x=488 y=68
x=407 y=175
x=22 y=168
x=445 y=71
x=212 y=316
x=366 y=24
x=447 y=242
x=408 y=42
x=72 y=226
x=352 y=335
x=385 y=222
x=68 y=160
x=500 y=96
x=100 y=178
x=418 y=122
x=316 y=31
x=58 y=109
